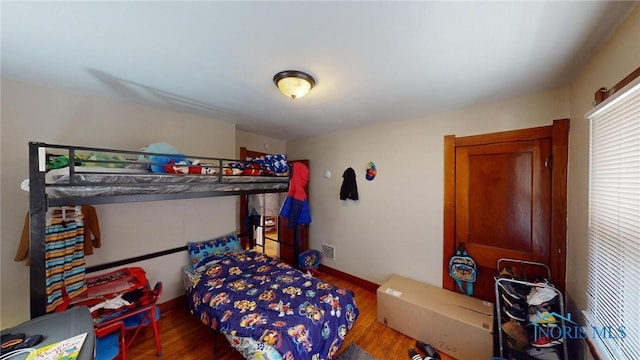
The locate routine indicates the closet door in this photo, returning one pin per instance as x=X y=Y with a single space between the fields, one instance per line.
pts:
x=503 y=197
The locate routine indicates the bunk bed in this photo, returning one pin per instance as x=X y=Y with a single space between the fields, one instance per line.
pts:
x=103 y=176
x=295 y=314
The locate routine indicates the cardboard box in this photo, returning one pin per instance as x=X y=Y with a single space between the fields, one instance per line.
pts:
x=452 y=323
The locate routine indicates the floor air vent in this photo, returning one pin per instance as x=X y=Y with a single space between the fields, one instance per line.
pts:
x=328 y=252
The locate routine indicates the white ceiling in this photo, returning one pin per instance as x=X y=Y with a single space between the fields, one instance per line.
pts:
x=374 y=61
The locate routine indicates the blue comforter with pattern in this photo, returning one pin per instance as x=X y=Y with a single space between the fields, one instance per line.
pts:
x=250 y=294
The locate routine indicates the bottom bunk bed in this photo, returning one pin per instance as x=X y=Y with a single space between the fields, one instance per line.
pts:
x=266 y=308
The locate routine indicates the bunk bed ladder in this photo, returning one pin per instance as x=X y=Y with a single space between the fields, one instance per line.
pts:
x=37 y=219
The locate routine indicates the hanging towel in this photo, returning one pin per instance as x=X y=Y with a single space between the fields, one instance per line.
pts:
x=349 y=188
x=91 y=234
x=296 y=206
x=64 y=260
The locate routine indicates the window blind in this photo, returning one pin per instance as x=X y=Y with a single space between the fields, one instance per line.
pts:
x=613 y=282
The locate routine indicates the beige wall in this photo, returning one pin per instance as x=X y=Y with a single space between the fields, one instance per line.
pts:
x=258 y=142
x=396 y=226
x=38 y=113
x=618 y=57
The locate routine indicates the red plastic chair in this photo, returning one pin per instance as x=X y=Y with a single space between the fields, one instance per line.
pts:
x=147 y=314
x=110 y=341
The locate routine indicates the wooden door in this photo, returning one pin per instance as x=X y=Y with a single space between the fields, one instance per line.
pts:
x=502 y=205
x=504 y=202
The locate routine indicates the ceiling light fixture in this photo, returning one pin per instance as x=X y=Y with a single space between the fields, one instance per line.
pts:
x=293 y=83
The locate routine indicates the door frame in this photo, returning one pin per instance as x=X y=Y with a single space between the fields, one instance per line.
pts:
x=285 y=247
x=558 y=132
x=245 y=241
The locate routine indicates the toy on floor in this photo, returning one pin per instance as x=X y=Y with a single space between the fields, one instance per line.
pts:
x=309 y=260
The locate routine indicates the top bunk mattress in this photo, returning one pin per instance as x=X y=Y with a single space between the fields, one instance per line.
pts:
x=87 y=181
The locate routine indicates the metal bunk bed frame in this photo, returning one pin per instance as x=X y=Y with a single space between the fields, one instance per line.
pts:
x=39 y=202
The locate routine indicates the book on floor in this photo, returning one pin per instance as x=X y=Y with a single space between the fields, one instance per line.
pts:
x=67 y=349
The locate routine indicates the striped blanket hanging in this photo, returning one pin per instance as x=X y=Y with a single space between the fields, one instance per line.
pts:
x=64 y=256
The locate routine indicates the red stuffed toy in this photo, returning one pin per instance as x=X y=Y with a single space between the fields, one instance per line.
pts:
x=197 y=168
x=183 y=167
x=252 y=169
x=173 y=167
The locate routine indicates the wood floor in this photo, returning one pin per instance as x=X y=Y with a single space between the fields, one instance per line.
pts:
x=184 y=337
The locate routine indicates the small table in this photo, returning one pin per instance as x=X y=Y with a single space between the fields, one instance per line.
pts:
x=59 y=326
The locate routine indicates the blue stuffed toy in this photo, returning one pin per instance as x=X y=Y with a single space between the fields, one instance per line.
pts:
x=167 y=154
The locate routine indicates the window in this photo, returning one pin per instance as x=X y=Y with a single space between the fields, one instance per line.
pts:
x=614 y=225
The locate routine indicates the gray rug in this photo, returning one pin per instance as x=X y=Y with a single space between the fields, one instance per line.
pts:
x=355 y=352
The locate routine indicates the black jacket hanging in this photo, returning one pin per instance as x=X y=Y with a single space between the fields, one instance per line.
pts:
x=349 y=188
